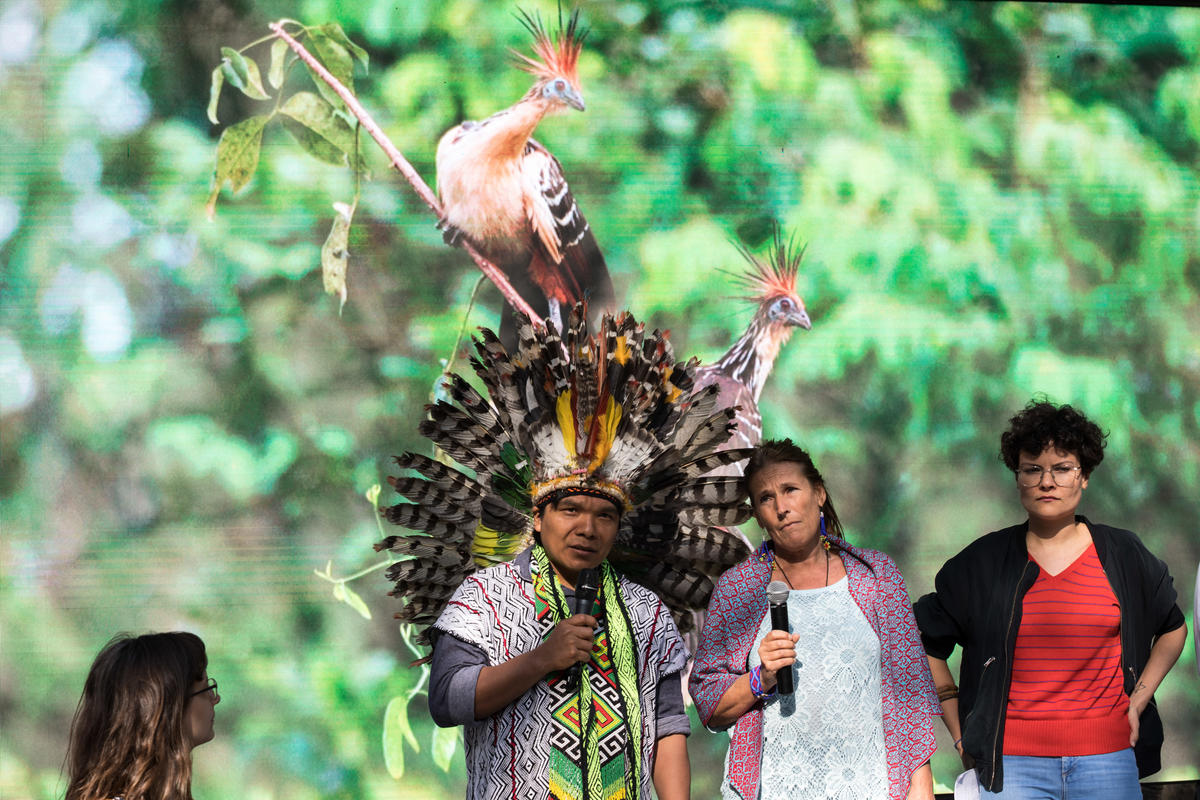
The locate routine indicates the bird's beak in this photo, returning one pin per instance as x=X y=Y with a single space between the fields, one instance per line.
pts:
x=800 y=319
x=574 y=99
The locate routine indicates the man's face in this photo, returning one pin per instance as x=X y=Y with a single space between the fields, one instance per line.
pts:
x=577 y=532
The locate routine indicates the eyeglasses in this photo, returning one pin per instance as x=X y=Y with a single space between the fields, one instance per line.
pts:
x=1063 y=474
x=211 y=687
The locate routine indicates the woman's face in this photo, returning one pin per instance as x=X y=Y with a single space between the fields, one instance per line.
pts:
x=1046 y=499
x=788 y=507
x=200 y=711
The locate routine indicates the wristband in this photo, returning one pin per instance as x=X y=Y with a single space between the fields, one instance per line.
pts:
x=948 y=692
x=756 y=687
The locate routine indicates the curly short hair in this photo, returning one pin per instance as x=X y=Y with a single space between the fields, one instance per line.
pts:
x=1042 y=424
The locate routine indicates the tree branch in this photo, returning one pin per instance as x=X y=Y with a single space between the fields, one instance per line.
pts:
x=404 y=168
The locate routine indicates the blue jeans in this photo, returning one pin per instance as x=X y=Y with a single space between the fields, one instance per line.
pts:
x=1108 y=776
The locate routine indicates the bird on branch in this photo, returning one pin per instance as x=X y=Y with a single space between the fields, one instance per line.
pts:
x=742 y=372
x=507 y=194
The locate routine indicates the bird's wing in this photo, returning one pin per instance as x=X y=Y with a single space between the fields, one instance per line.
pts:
x=567 y=262
x=732 y=392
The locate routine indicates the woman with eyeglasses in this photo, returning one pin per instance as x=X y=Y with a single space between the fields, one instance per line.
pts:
x=1066 y=627
x=147 y=702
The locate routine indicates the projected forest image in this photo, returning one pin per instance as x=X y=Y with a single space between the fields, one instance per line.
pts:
x=207 y=365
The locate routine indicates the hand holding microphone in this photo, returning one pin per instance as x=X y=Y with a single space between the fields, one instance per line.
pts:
x=778 y=649
x=570 y=643
x=587 y=586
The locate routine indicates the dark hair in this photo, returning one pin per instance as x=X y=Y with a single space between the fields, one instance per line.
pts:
x=128 y=737
x=1042 y=424
x=784 y=451
x=554 y=498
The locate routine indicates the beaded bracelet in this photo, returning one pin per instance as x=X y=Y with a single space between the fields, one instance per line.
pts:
x=756 y=687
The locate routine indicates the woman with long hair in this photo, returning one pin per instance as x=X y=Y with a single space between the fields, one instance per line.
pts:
x=146 y=703
x=858 y=723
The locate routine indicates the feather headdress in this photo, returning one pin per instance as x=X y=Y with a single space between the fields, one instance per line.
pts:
x=610 y=414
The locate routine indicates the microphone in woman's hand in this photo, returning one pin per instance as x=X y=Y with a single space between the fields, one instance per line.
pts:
x=777 y=596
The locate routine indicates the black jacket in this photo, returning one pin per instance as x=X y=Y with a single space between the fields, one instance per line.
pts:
x=976 y=604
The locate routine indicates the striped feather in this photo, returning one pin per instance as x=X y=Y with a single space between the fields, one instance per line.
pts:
x=416 y=518
x=451 y=481
x=697 y=516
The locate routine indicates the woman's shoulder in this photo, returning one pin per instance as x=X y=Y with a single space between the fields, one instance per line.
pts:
x=991 y=546
x=753 y=569
x=1120 y=536
x=878 y=564
x=1124 y=543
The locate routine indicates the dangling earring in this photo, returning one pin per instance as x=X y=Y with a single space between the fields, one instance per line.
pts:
x=824 y=537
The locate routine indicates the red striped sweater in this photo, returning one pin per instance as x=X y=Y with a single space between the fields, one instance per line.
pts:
x=1067 y=697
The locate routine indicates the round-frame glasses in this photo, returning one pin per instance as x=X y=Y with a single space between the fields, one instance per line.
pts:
x=1030 y=475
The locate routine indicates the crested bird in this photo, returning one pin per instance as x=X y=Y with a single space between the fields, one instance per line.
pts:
x=506 y=193
x=742 y=372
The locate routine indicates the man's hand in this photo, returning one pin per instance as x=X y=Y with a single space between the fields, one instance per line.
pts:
x=570 y=643
x=777 y=651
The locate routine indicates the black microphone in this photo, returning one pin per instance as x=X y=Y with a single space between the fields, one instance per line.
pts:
x=587 y=586
x=777 y=596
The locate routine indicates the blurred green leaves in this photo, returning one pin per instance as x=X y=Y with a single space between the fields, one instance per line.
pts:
x=998 y=200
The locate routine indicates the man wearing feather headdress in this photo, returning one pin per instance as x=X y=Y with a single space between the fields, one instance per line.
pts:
x=590 y=452
x=525 y=701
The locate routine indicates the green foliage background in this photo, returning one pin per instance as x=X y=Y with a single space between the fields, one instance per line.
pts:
x=999 y=199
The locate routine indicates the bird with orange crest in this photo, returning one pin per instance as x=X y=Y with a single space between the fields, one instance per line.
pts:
x=507 y=194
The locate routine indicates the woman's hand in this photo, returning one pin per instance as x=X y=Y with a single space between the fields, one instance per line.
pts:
x=968 y=761
x=777 y=651
x=1134 y=723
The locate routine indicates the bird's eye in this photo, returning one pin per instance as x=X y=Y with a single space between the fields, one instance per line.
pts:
x=785 y=304
x=560 y=85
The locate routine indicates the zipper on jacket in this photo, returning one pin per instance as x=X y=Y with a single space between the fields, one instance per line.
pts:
x=975 y=707
x=1012 y=613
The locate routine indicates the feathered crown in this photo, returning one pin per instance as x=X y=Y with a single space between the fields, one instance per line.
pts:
x=608 y=414
x=557 y=57
x=777 y=275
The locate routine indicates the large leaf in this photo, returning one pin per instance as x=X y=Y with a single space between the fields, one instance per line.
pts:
x=279 y=51
x=237 y=156
x=325 y=133
x=335 y=33
x=337 y=59
x=445 y=743
x=335 y=253
x=397 y=731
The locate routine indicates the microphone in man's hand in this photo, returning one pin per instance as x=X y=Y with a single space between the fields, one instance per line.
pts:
x=777 y=596
x=587 y=586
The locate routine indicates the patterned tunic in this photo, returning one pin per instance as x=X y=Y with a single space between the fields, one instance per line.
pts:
x=508 y=754
x=735 y=613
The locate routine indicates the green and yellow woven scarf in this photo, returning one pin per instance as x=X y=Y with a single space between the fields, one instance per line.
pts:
x=614 y=649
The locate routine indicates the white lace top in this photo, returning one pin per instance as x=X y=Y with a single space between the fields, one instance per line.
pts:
x=825 y=741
